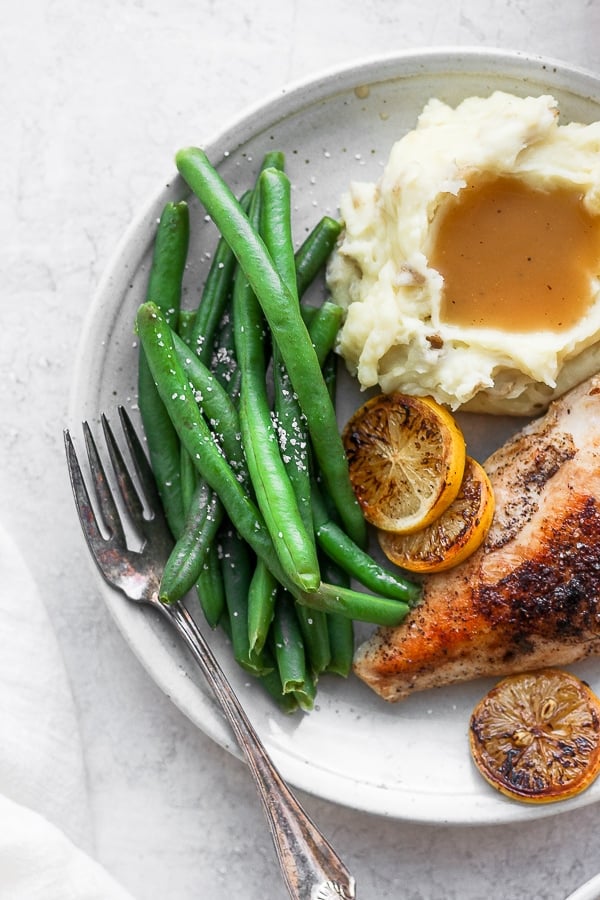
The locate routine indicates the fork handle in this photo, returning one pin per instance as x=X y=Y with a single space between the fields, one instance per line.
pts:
x=311 y=869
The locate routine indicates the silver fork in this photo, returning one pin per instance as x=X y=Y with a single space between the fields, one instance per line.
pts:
x=310 y=867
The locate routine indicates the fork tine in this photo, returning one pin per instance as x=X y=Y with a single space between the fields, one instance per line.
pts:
x=106 y=502
x=126 y=486
x=85 y=510
x=142 y=465
x=156 y=527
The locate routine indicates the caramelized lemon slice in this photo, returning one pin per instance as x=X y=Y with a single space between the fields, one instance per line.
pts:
x=454 y=535
x=406 y=457
x=535 y=737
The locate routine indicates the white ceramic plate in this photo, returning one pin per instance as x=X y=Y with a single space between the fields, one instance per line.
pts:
x=588 y=891
x=409 y=760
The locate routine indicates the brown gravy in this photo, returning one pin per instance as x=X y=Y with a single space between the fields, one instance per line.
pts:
x=515 y=257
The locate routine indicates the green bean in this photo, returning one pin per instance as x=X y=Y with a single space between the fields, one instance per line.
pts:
x=188 y=474
x=293 y=544
x=224 y=363
x=209 y=587
x=288 y=328
x=315 y=635
x=164 y=451
x=356 y=605
x=164 y=288
x=168 y=261
x=293 y=441
x=275 y=497
x=340 y=628
x=341 y=644
x=197 y=329
x=289 y=652
x=200 y=336
x=185 y=324
x=237 y=564
x=271 y=682
x=214 y=298
x=213 y=307
x=342 y=550
x=205 y=510
x=273 y=159
x=363 y=567
x=315 y=250
x=266 y=673
x=290 y=422
x=276 y=230
x=305 y=696
x=189 y=480
x=323 y=329
x=184 y=565
x=262 y=594
x=163 y=281
x=275 y=226
x=330 y=367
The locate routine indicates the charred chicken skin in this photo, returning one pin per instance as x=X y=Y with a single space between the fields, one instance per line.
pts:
x=530 y=596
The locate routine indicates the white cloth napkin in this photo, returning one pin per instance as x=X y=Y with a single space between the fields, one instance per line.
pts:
x=45 y=824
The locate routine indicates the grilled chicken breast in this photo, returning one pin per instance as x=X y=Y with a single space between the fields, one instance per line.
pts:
x=530 y=596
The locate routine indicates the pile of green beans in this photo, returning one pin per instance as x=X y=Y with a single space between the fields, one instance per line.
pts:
x=237 y=399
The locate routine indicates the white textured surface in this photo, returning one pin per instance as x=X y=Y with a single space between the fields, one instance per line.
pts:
x=95 y=98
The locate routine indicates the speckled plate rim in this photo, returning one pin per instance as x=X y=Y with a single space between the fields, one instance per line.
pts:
x=159 y=651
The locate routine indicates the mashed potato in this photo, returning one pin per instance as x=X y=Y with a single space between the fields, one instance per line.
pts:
x=401 y=331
